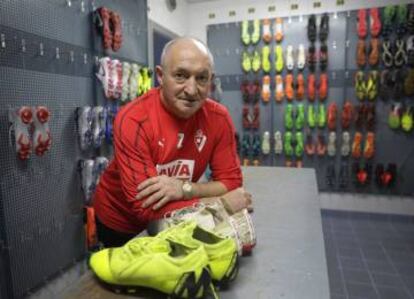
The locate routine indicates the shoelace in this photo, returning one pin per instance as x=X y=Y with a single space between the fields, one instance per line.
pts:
x=143 y=245
x=400 y=55
x=387 y=56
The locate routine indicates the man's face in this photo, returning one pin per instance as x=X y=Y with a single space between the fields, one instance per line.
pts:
x=185 y=79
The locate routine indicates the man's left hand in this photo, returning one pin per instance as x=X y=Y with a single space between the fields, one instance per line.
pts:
x=160 y=190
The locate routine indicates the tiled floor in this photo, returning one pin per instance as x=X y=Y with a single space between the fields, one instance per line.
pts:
x=369 y=255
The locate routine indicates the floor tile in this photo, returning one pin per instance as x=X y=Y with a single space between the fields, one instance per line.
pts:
x=369 y=255
x=361 y=290
x=352 y=263
x=380 y=267
x=358 y=276
x=381 y=279
x=393 y=293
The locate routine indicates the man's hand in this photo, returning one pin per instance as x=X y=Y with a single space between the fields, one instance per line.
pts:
x=160 y=190
x=237 y=200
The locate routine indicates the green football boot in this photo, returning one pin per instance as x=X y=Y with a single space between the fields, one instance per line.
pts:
x=154 y=263
x=388 y=19
x=246 y=62
x=255 y=38
x=287 y=144
x=266 y=65
x=401 y=18
x=221 y=252
x=256 y=61
x=321 y=116
x=407 y=120
x=394 y=121
x=300 y=118
x=279 y=62
x=146 y=75
x=289 y=116
x=360 y=87
x=245 y=35
x=299 y=148
x=371 y=88
x=312 y=115
x=141 y=82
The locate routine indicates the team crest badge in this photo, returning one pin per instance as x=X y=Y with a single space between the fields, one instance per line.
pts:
x=200 y=140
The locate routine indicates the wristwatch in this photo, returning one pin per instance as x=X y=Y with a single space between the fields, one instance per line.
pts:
x=187 y=190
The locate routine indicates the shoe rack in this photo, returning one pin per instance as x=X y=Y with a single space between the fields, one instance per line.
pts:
x=334 y=173
x=48 y=57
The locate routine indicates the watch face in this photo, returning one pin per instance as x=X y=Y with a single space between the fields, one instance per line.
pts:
x=187 y=187
x=187 y=190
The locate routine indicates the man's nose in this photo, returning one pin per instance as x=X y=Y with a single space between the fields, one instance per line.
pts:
x=191 y=86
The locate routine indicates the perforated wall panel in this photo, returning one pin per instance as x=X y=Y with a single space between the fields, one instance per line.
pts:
x=41 y=202
x=391 y=146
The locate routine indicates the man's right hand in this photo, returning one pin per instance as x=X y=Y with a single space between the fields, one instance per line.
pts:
x=236 y=200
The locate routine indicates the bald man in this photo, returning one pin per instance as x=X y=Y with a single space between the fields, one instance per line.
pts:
x=163 y=143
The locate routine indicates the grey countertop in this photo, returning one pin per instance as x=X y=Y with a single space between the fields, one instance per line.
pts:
x=289 y=259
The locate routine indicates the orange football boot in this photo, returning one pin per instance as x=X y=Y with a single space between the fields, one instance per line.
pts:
x=369 y=148
x=311 y=87
x=323 y=86
x=356 y=145
x=280 y=93
x=300 y=93
x=332 y=112
x=289 y=91
x=266 y=89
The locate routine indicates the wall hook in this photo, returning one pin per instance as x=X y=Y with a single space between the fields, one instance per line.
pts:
x=72 y=56
x=41 y=49
x=3 y=40
x=23 y=45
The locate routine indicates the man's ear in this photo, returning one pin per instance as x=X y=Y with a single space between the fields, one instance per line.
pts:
x=159 y=73
x=213 y=75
